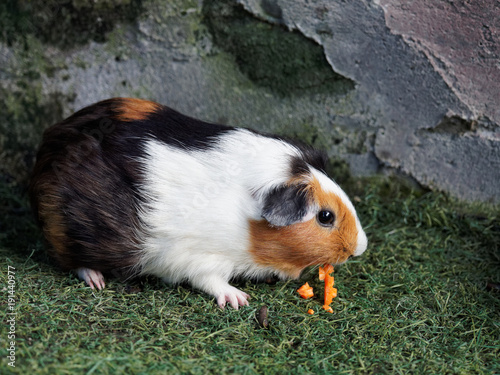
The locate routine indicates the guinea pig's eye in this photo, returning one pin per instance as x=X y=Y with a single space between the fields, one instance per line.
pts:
x=326 y=218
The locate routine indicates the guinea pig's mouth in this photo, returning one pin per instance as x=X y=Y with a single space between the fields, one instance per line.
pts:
x=338 y=261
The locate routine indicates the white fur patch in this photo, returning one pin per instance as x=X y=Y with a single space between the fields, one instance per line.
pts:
x=201 y=203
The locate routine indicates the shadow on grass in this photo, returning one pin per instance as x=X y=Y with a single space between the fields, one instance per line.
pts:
x=19 y=233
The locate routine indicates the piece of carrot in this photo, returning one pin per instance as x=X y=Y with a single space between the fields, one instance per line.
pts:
x=305 y=291
x=325 y=270
x=330 y=291
x=311 y=311
x=328 y=308
x=330 y=294
x=322 y=273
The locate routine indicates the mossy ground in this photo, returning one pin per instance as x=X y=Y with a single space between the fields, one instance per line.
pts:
x=416 y=302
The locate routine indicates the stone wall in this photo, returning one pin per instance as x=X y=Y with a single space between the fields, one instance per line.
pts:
x=408 y=86
x=429 y=72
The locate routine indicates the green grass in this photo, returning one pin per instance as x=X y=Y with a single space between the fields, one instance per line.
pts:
x=416 y=302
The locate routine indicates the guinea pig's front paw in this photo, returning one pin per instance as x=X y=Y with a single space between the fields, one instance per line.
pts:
x=93 y=278
x=234 y=296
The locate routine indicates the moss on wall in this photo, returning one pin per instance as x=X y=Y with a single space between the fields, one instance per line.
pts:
x=64 y=23
x=270 y=55
x=26 y=114
x=26 y=110
x=27 y=28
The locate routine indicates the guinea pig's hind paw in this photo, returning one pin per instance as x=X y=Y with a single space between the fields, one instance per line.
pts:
x=235 y=297
x=93 y=278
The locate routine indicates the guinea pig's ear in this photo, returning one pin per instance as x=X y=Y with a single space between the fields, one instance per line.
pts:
x=286 y=204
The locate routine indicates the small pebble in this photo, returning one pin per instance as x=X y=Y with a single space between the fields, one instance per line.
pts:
x=262 y=317
x=132 y=289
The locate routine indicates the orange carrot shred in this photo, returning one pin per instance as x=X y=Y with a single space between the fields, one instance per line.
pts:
x=310 y=311
x=328 y=268
x=325 y=270
x=305 y=291
x=330 y=291
x=328 y=308
x=322 y=273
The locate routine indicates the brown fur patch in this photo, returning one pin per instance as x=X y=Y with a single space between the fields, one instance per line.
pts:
x=292 y=248
x=49 y=213
x=131 y=109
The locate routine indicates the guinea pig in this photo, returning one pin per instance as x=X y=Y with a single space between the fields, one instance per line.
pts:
x=131 y=185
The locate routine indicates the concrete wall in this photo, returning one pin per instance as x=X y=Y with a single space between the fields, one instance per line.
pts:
x=412 y=86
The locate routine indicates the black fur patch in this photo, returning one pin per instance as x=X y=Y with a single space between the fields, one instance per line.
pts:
x=309 y=155
x=299 y=166
x=285 y=205
x=176 y=129
x=315 y=158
